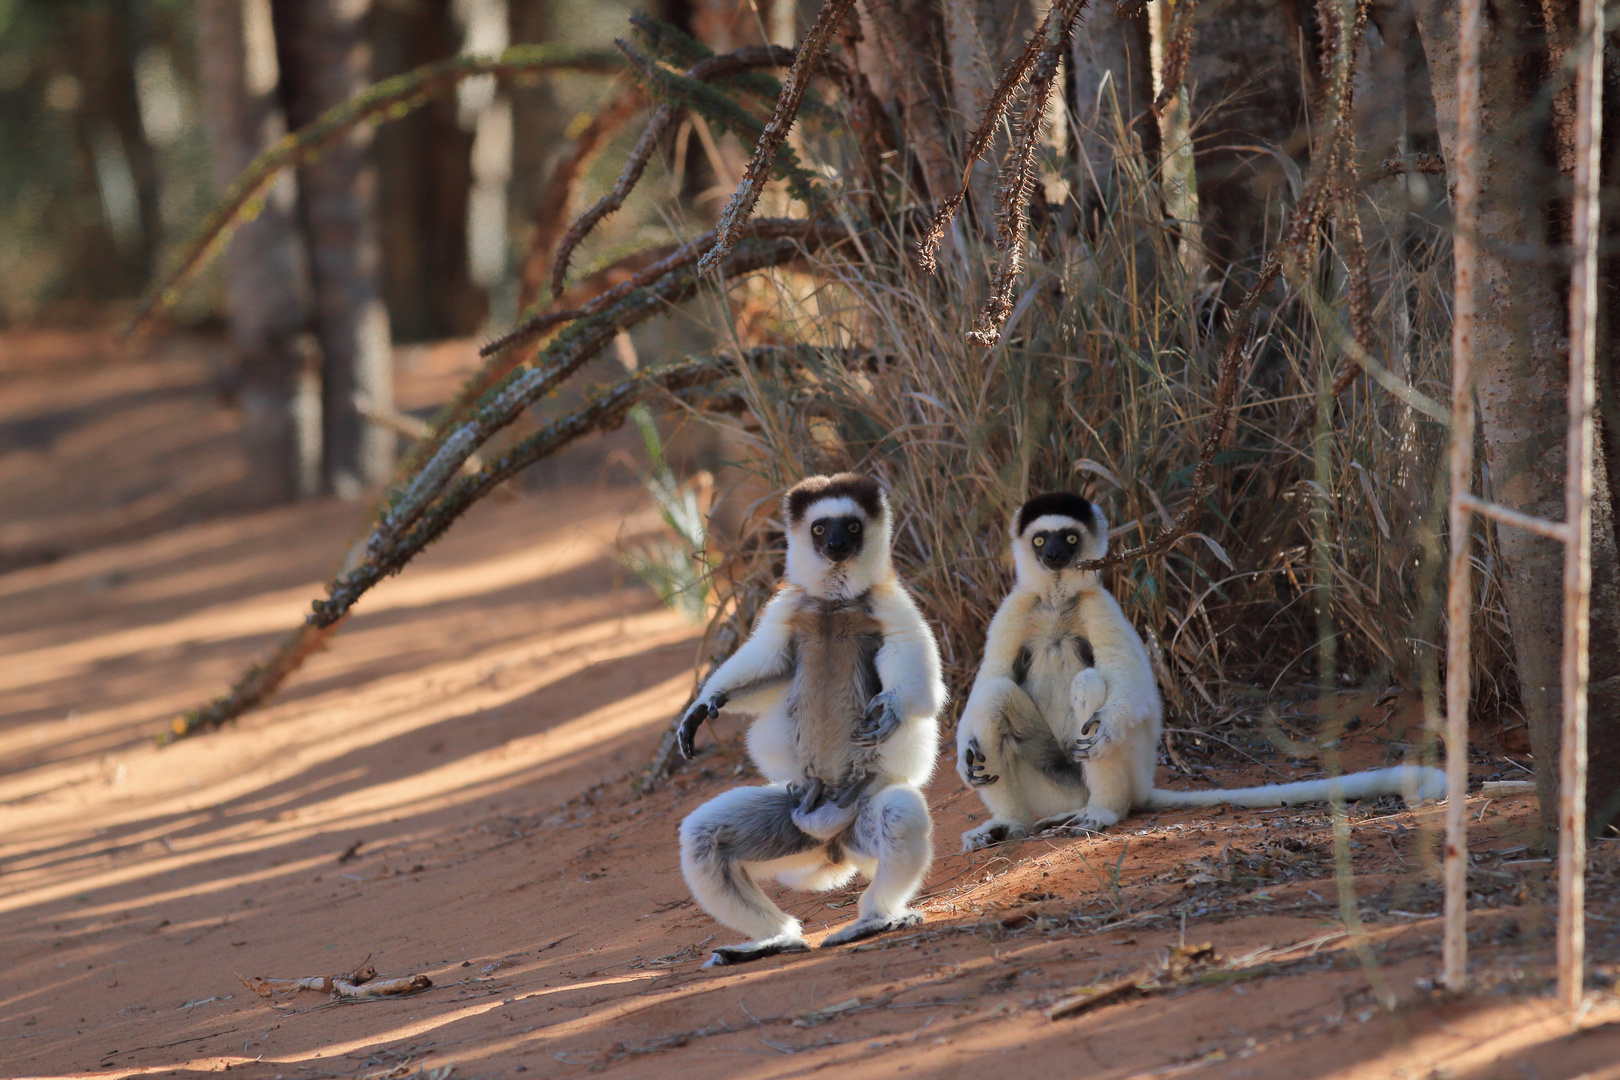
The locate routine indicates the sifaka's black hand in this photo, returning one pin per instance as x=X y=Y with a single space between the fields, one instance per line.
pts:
x=807 y=794
x=882 y=719
x=686 y=734
x=973 y=761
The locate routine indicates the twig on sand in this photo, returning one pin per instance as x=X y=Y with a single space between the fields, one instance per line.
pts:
x=1183 y=962
x=360 y=984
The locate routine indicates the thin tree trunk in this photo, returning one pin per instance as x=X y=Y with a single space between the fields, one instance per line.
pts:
x=123 y=109
x=424 y=175
x=1522 y=383
x=265 y=291
x=319 y=49
x=118 y=158
x=910 y=41
x=1112 y=68
x=538 y=123
x=1246 y=65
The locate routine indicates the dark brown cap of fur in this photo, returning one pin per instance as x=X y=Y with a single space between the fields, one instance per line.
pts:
x=866 y=493
x=1072 y=506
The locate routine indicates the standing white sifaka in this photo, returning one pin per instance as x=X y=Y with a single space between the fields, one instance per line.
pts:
x=844 y=677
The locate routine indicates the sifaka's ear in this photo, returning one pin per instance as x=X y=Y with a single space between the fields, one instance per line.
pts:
x=1099 y=524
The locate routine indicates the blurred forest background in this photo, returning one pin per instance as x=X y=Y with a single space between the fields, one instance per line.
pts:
x=1180 y=219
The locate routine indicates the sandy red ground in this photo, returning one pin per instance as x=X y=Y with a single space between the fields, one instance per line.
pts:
x=471 y=741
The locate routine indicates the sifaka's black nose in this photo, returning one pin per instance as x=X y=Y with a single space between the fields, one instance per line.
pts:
x=1055 y=554
x=839 y=550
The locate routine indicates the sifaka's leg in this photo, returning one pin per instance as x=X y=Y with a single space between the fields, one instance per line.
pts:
x=724 y=844
x=1003 y=729
x=1110 y=753
x=895 y=830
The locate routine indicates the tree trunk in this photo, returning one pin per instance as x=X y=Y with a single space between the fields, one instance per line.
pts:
x=538 y=123
x=117 y=154
x=1521 y=369
x=1249 y=59
x=1111 y=68
x=323 y=63
x=910 y=33
x=265 y=291
x=424 y=175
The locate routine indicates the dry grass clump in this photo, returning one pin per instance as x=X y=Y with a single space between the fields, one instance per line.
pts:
x=1102 y=383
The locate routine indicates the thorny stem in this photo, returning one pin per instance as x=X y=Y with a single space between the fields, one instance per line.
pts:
x=1177 y=51
x=572 y=348
x=729 y=229
x=1000 y=101
x=708 y=68
x=558 y=196
x=1018 y=175
x=684 y=255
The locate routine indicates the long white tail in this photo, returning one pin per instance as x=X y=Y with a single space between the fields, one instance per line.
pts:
x=1418 y=783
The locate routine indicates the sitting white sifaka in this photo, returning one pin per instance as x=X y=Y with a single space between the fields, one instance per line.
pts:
x=844 y=678
x=1063 y=724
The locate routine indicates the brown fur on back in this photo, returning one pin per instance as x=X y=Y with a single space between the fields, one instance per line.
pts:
x=833 y=640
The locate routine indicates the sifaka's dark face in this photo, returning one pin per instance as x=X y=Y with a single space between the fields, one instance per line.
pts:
x=838 y=538
x=1057 y=548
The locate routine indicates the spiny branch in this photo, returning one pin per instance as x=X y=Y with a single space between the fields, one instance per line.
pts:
x=1018 y=175
x=1177 y=52
x=683 y=255
x=705 y=70
x=387 y=100
x=746 y=197
x=1425 y=164
x=555 y=201
x=1000 y=101
x=567 y=352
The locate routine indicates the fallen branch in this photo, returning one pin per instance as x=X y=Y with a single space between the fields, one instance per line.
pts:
x=354 y=986
x=602 y=412
x=1181 y=966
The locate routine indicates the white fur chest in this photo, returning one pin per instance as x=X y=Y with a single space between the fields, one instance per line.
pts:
x=1053 y=652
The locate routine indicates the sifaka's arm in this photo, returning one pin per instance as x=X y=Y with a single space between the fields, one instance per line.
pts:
x=762 y=662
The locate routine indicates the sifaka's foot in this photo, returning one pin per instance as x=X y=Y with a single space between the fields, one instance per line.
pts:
x=994 y=831
x=861 y=929
x=727 y=955
x=1071 y=823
